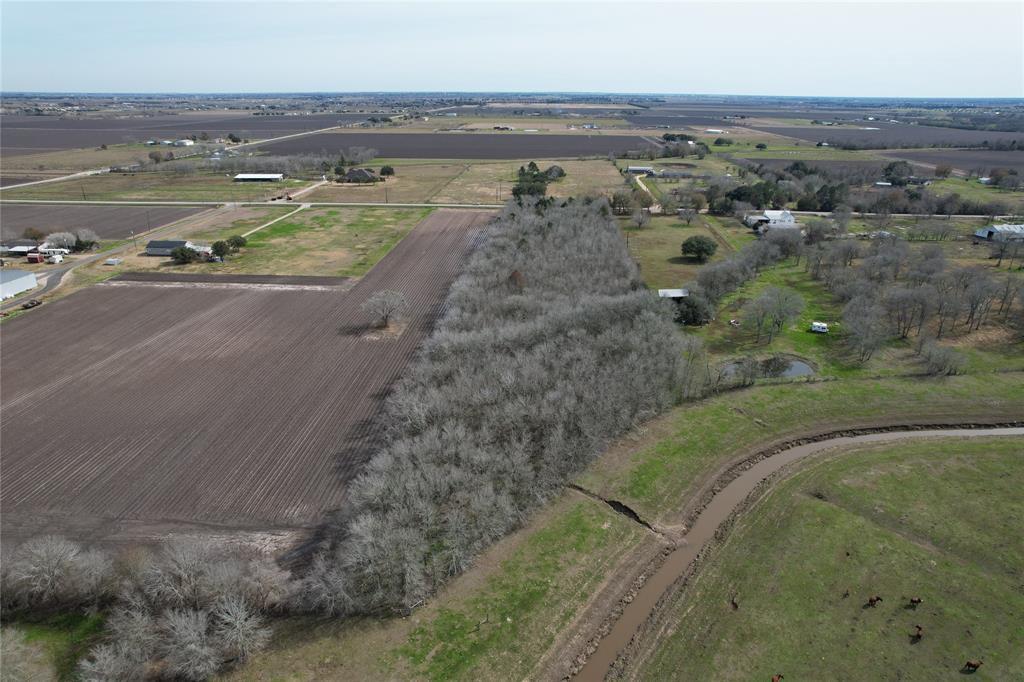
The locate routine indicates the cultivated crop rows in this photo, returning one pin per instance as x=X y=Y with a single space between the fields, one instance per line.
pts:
x=109 y=222
x=461 y=145
x=241 y=407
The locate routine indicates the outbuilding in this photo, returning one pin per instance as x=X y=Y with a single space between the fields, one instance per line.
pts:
x=259 y=177
x=183 y=143
x=14 y=282
x=781 y=218
x=163 y=247
x=1000 y=233
x=640 y=170
x=361 y=175
x=673 y=294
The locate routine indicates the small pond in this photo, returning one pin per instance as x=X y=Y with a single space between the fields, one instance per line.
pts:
x=776 y=366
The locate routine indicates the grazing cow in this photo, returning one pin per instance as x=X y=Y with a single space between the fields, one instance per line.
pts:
x=778 y=678
x=915 y=602
x=846 y=594
x=873 y=601
x=972 y=666
x=735 y=604
x=917 y=634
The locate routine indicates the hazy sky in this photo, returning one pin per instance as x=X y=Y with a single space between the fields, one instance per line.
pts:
x=909 y=49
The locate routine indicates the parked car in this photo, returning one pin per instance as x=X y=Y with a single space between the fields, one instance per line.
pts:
x=31 y=303
x=819 y=327
x=55 y=258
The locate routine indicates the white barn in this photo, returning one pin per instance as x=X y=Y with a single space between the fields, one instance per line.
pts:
x=13 y=282
x=781 y=218
x=259 y=177
x=1000 y=233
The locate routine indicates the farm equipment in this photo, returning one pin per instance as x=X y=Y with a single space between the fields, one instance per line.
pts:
x=36 y=258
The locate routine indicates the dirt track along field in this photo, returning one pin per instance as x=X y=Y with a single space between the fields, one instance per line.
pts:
x=145 y=418
x=20 y=135
x=461 y=145
x=109 y=222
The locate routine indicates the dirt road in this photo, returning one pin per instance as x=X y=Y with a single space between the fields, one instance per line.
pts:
x=717 y=512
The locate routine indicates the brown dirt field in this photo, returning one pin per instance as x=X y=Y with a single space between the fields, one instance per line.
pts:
x=109 y=222
x=399 y=145
x=191 y=406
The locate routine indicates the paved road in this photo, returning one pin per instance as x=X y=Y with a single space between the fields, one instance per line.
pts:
x=72 y=202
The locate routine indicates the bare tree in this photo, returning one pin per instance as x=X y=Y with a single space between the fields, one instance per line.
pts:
x=385 y=305
x=864 y=321
x=641 y=217
x=687 y=215
x=61 y=240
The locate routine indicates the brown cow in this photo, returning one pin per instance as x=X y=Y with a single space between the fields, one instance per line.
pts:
x=778 y=678
x=917 y=634
x=735 y=604
x=873 y=601
x=915 y=602
x=972 y=666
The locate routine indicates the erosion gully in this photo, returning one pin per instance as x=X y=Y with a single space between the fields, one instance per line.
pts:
x=717 y=512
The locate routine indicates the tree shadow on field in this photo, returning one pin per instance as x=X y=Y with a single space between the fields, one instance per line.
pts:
x=348 y=461
x=352 y=329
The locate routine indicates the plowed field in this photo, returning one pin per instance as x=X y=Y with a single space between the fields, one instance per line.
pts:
x=162 y=405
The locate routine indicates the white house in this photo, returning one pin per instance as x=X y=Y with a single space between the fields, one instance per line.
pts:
x=13 y=282
x=1000 y=233
x=183 y=143
x=781 y=218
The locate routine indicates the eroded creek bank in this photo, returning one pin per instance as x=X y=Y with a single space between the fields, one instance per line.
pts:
x=716 y=511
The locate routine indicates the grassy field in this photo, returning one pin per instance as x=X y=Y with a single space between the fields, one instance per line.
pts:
x=323 y=241
x=71 y=160
x=492 y=182
x=975 y=191
x=58 y=642
x=412 y=183
x=872 y=521
x=541 y=577
x=657 y=249
x=155 y=186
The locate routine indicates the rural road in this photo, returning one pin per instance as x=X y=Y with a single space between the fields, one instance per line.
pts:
x=392 y=204
x=719 y=511
x=98 y=171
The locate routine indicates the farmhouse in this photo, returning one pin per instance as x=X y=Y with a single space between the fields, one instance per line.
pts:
x=13 y=282
x=781 y=218
x=361 y=175
x=1000 y=233
x=259 y=177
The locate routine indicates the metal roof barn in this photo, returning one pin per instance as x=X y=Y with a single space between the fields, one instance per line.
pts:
x=13 y=282
x=259 y=177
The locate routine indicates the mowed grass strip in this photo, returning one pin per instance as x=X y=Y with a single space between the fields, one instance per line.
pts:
x=656 y=476
x=941 y=520
x=657 y=248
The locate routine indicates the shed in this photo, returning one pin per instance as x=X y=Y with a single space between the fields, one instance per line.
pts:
x=183 y=143
x=673 y=294
x=259 y=177
x=14 y=282
x=1000 y=233
x=163 y=247
x=639 y=170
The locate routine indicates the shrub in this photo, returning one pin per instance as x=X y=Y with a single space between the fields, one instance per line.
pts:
x=85 y=239
x=61 y=240
x=387 y=171
x=237 y=241
x=700 y=247
x=33 y=233
x=183 y=255
x=221 y=249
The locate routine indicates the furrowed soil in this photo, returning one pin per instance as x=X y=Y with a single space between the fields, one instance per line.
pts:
x=186 y=406
x=109 y=222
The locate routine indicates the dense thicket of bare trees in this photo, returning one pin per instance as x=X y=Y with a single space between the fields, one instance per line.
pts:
x=893 y=292
x=550 y=347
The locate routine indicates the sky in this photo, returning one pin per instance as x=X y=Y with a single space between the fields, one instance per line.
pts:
x=938 y=48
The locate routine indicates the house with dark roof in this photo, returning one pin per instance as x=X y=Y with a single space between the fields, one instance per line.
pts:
x=361 y=175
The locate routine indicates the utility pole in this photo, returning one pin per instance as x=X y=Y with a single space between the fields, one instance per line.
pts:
x=135 y=245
